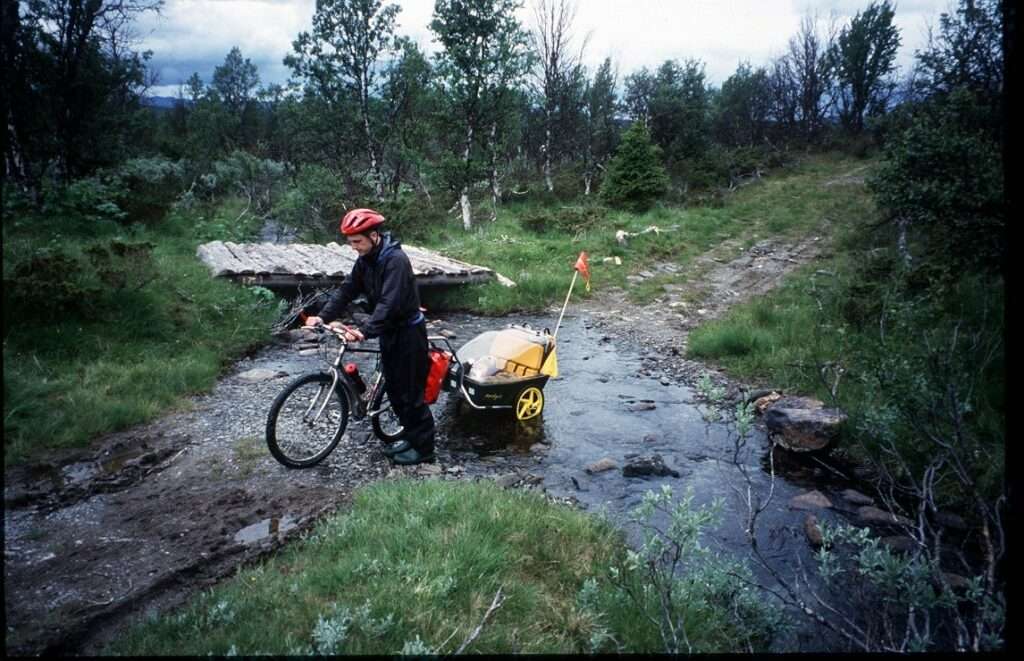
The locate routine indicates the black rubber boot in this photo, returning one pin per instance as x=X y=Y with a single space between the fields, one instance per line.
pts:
x=412 y=456
x=392 y=449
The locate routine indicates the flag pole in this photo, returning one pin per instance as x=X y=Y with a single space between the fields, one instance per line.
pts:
x=564 y=305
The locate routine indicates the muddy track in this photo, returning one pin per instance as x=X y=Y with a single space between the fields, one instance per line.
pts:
x=145 y=518
x=705 y=290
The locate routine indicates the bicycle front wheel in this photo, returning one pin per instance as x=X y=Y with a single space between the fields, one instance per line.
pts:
x=386 y=424
x=306 y=421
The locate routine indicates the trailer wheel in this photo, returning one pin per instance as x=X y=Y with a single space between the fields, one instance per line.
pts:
x=530 y=403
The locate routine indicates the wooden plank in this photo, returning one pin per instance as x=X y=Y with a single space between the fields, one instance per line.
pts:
x=282 y=260
x=324 y=265
x=244 y=264
x=261 y=266
x=218 y=258
x=291 y=280
x=310 y=256
x=341 y=259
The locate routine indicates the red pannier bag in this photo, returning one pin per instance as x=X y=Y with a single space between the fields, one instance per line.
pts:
x=439 y=360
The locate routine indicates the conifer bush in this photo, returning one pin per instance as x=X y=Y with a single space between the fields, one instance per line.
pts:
x=635 y=175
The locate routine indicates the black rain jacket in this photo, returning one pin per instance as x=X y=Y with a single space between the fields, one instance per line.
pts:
x=385 y=277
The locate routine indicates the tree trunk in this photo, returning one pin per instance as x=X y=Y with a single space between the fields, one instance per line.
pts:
x=375 y=174
x=901 y=241
x=467 y=209
x=587 y=178
x=495 y=183
x=547 y=151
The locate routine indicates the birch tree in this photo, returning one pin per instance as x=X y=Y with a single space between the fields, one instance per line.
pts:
x=550 y=41
x=339 y=60
x=484 y=56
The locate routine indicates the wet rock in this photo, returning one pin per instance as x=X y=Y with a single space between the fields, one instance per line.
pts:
x=761 y=404
x=429 y=470
x=857 y=498
x=647 y=466
x=651 y=438
x=802 y=424
x=810 y=500
x=301 y=335
x=900 y=543
x=813 y=531
x=870 y=515
x=532 y=479
x=665 y=381
x=260 y=375
x=507 y=480
x=600 y=466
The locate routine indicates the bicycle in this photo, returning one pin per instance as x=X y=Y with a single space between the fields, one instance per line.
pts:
x=308 y=418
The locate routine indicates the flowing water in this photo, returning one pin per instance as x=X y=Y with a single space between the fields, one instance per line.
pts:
x=604 y=405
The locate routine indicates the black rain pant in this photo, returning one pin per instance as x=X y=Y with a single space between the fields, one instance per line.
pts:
x=405 y=364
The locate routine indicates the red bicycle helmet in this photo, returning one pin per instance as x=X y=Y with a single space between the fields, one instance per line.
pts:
x=359 y=221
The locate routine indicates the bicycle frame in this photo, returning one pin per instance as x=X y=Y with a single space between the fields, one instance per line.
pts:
x=360 y=402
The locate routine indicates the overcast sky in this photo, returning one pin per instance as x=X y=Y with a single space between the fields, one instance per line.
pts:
x=195 y=35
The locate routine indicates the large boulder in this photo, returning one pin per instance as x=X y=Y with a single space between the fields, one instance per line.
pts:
x=647 y=466
x=873 y=516
x=811 y=500
x=600 y=466
x=813 y=531
x=802 y=424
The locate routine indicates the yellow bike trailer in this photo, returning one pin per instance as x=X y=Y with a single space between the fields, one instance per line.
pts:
x=504 y=369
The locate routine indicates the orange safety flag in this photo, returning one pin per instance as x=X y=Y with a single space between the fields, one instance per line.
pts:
x=581 y=266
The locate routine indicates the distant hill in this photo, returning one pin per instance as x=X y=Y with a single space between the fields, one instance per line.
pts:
x=163 y=102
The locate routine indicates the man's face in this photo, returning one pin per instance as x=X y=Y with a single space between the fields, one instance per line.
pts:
x=363 y=243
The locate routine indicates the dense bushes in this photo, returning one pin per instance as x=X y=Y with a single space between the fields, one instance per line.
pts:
x=314 y=203
x=943 y=178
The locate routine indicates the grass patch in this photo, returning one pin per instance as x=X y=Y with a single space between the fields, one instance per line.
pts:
x=413 y=567
x=536 y=243
x=138 y=351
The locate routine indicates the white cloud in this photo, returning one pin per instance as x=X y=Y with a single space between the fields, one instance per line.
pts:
x=196 y=35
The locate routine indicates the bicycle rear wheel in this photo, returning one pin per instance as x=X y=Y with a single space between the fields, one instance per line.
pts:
x=306 y=421
x=386 y=424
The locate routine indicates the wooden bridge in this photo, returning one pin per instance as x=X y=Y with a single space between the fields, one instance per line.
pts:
x=293 y=264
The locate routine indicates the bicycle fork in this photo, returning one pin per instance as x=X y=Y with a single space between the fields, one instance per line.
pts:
x=360 y=403
x=327 y=398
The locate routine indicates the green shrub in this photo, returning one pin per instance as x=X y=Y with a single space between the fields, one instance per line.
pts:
x=567 y=220
x=59 y=282
x=314 y=203
x=943 y=176
x=84 y=203
x=635 y=176
x=151 y=184
x=414 y=217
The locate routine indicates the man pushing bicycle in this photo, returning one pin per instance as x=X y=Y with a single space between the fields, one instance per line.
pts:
x=383 y=273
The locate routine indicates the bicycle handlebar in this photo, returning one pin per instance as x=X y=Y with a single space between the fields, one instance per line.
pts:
x=336 y=331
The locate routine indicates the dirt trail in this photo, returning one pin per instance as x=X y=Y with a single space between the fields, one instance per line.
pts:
x=705 y=290
x=147 y=517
